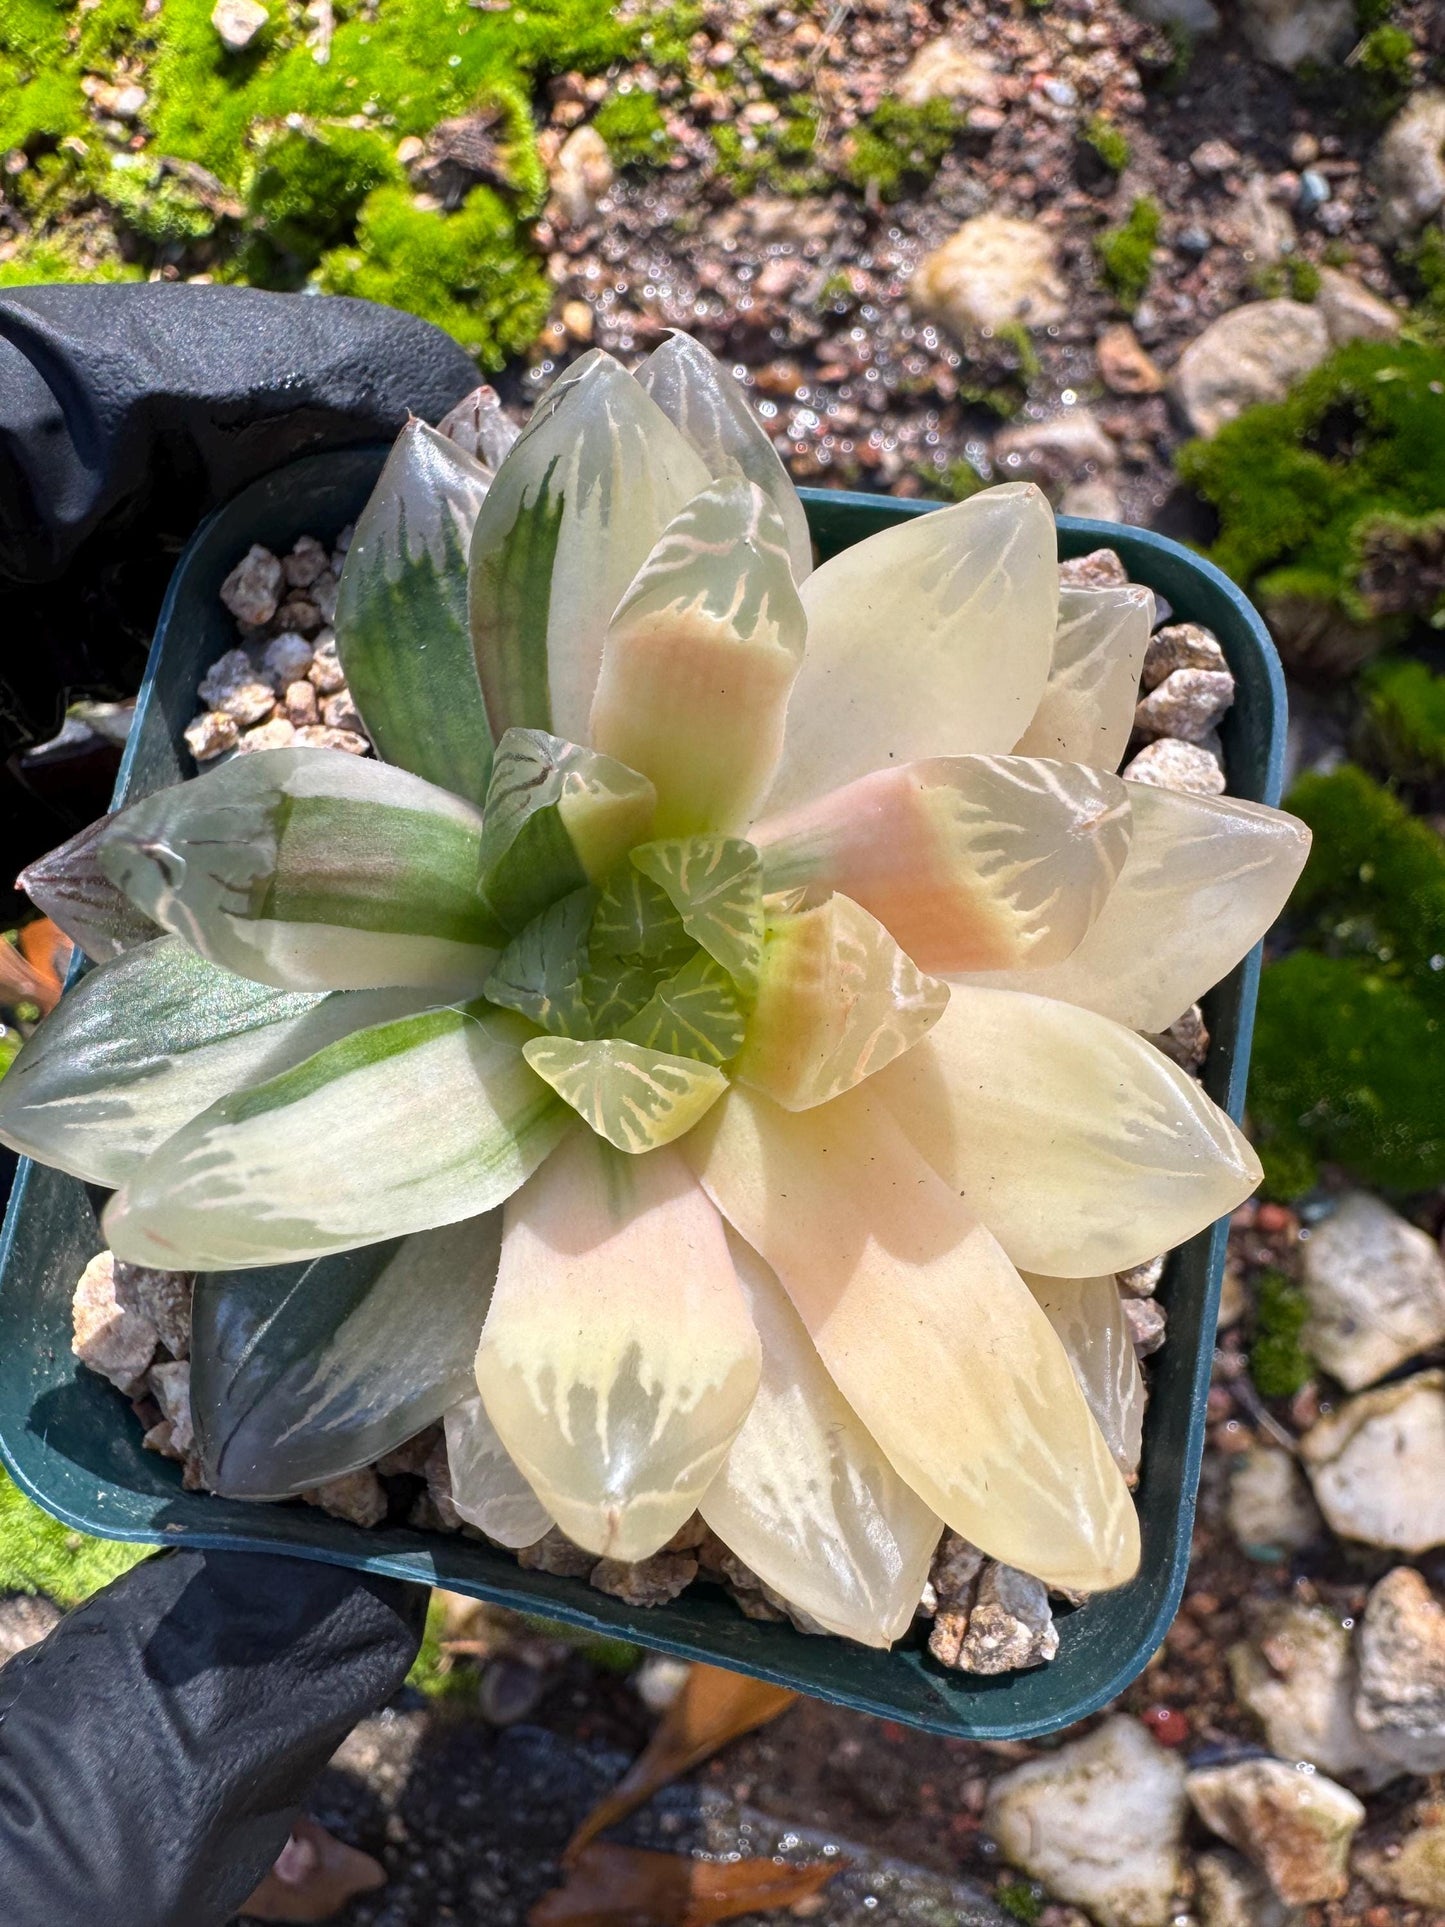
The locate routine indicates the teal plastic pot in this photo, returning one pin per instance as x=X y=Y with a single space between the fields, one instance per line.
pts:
x=71 y=1442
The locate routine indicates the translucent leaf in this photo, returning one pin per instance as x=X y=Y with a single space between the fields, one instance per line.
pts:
x=70 y=887
x=636 y=918
x=1205 y=878
x=615 y=989
x=487 y=1489
x=312 y=870
x=694 y=390
x=699 y=660
x=596 y=476
x=805 y=1498
x=1088 y=1315
x=410 y=1124
x=401 y=614
x=930 y=639
x=716 y=884
x=1087 y=709
x=837 y=1000
x=300 y=1373
x=540 y=972
x=634 y=1097
x=147 y=1041
x=695 y=1012
x=618 y=1359
x=970 y=862
x=1082 y=1148
x=926 y=1329
x=556 y=817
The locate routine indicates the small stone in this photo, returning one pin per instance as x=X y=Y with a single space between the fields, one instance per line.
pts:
x=276 y=734
x=994 y=272
x=1352 y=311
x=301 y=614
x=1269 y=1507
x=510 y=1690
x=1181 y=645
x=108 y=1338
x=1010 y=1625
x=659 y=1680
x=234 y=670
x=323 y=593
x=1415 y=1872
x=577 y=320
x=170 y=1387
x=437 y=1471
x=318 y=736
x=161 y=1297
x=1409 y=165
x=1099 y=569
x=1125 y=364
x=286 y=658
x=1290 y=32
x=1142 y=1281
x=1231 y=1893
x=581 y=174
x=1186 y=705
x=306 y=561
x=1186 y=1042
x=160 y=1439
x=949 y=69
x=555 y=1553
x=1171 y=765
x=1099 y=1822
x=1296 y=1827
x=952 y=1586
x=326 y=673
x=1055 y=451
x=25 y=1619
x=1092 y=499
x=1401 y=1698
x=302 y=708
x=1252 y=354
x=356 y=1496
x=1376 y=1291
x=1297 y=1676
x=212 y=734
x=1213 y=157
x=1375 y=1465
x=238 y=22
x=249 y=702
x=646 y=1582
x=339 y=712
x=253 y=588
x=1146 y=1320
x=410 y=1457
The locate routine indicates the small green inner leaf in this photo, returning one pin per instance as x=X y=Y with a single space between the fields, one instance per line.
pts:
x=540 y=972
x=636 y=918
x=716 y=884
x=510 y=602
x=636 y=1098
x=615 y=989
x=696 y=1012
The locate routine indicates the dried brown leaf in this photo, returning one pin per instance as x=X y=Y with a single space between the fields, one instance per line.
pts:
x=611 y=1886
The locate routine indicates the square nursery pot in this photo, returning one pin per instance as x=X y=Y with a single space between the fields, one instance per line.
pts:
x=72 y=1444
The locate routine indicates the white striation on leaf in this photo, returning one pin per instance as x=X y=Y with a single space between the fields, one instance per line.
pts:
x=1087 y=708
x=634 y=1097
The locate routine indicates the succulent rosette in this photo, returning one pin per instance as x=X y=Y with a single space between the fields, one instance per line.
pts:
x=702 y=1058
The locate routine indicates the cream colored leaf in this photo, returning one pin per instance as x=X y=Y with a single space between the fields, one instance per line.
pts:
x=1206 y=876
x=805 y=1498
x=969 y=862
x=694 y=390
x=926 y=1329
x=1087 y=708
x=929 y=639
x=634 y=1097
x=1080 y=1146
x=1088 y=1315
x=487 y=1489
x=699 y=660
x=837 y=1000
x=618 y=1358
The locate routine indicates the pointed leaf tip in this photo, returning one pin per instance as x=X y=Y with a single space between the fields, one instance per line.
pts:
x=635 y=1097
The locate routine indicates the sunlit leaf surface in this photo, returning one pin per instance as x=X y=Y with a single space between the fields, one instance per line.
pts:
x=487 y=1489
x=693 y=1012
x=1088 y=1315
x=69 y=886
x=635 y=1097
x=540 y=972
x=1087 y=708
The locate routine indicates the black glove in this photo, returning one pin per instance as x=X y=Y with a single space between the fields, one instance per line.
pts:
x=154 y=1748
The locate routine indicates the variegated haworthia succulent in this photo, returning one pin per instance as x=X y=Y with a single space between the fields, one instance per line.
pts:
x=703 y=1059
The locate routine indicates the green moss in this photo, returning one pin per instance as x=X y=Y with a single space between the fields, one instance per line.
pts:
x=1020 y=1902
x=153 y=203
x=1372 y=13
x=1385 y=54
x=42 y=261
x=306 y=192
x=781 y=157
x=952 y=481
x=1405 y=703
x=898 y=143
x=1126 y=253
x=432 y=1671
x=38 y=1554
x=634 y=128
x=1278 y=1363
x=1107 y=141
x=10 y=1042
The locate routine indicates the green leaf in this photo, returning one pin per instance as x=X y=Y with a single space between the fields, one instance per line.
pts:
x=69 y=886
x=696 y=1012
x=402 y=631
x=615 y=989
x=540 y=971
x=419 y=1122
x=313 y=870
x=634 y=1097
x=635 y=917
x=556 y=817
x=147 y=1041
x=716 y=884
x=300 y=1373
x=574 y=509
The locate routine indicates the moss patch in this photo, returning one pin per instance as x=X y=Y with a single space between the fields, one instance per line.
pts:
x=1405 y=703
x=1108 y=141
x=898 y=143
x=1126 y=253
x=38 y=1554
x=634 y=128
x=1278 y=1363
